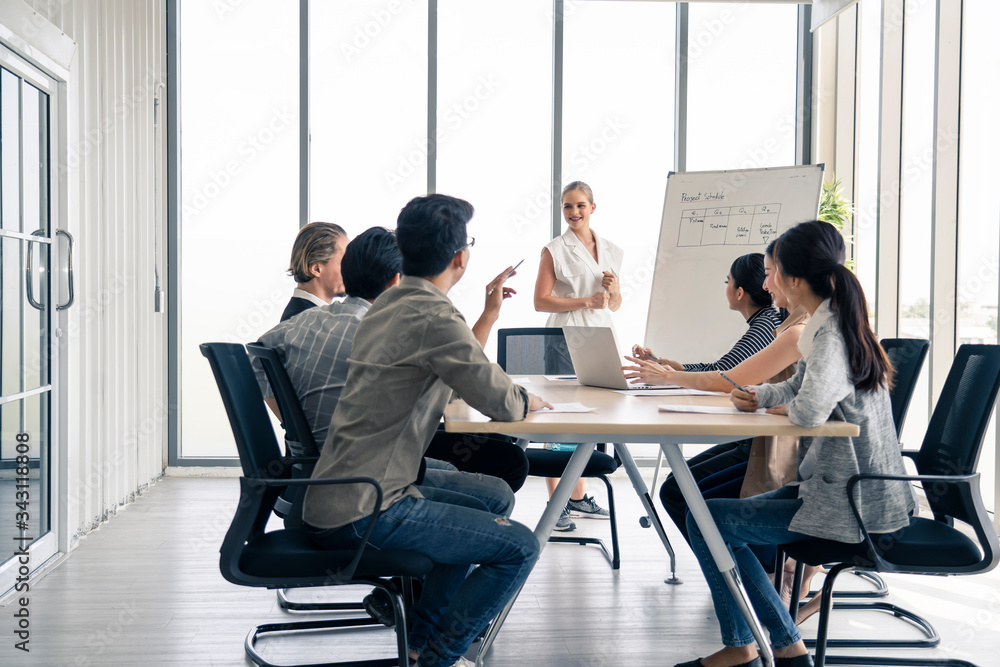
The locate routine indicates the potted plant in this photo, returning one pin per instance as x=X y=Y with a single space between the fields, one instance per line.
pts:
x=837 y=210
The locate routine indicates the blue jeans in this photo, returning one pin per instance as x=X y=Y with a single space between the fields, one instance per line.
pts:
x=449 y=486
x=762 y=519
x=453 y=607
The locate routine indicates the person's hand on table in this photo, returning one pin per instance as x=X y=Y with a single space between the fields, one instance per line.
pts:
x=646 y=372
x=778 y=410
x=537 y=403
x=744 y=401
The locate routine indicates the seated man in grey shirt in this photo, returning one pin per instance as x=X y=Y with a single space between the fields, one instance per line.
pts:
x=412 y=352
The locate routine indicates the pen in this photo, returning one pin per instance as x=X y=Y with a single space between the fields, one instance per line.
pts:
x=490 y=293
x=730 y=381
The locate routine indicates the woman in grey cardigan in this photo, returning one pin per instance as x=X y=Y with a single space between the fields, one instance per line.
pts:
x=844 y=374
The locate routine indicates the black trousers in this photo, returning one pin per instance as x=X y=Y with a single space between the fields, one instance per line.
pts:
x=709 y=462
x=490 y=454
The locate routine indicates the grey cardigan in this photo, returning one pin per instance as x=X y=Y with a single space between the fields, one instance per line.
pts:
x=821 y=389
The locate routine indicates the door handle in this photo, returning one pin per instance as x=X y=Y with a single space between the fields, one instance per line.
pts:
x=28 y=272
x=69 y=270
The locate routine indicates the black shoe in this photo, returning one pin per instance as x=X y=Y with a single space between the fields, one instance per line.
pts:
x=756 y=662
x=378 y=604
x=798 y=661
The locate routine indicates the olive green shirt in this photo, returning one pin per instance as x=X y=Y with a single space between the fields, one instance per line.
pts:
x=411 y=350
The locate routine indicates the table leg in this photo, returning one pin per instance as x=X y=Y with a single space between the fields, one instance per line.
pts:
x=720 y=552
x=571 y=475
x=639 y=484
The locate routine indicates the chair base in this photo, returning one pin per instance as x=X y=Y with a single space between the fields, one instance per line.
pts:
x=291 y=605
x=562 y=539
x=249 y=644
x=881 y=589
x=898 y=662
x=931 y=640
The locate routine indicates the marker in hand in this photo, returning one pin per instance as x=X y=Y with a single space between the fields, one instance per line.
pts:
x=508 y=275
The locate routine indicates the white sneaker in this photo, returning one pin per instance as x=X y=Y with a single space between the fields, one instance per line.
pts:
x=462 y=662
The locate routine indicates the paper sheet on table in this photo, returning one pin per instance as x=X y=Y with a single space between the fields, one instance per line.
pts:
x=553 y=378
x=669 y=391
x=521 y=381
x=566 y=407
x=709 y=410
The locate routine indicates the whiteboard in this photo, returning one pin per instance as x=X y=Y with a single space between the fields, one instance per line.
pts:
x=709 y=219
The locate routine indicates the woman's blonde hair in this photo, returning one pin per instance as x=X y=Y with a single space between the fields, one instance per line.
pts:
x=314 y=244
x=579 y=185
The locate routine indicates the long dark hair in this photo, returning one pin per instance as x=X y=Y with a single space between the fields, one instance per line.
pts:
x=769 y=253
x=814 y=251
x=748 y=272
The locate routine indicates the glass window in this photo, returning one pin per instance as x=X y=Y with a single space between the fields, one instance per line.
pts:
x=368 y=110
x=494 y=130
x=917 y=155
x=749 y=120
x=239 y=192
x=618 y=133
x=866 y=204
x=978 y=231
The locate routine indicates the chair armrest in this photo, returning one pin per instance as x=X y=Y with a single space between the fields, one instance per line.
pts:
x=292 y=460
x=970 y=483
x=346 y=573
x=910 y=453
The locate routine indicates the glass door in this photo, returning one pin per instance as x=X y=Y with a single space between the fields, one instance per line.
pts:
x=27 y=318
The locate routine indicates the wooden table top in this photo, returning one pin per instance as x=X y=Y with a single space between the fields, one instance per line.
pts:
x=624 y=415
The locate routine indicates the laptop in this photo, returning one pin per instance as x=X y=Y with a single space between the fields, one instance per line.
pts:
x=596 y=359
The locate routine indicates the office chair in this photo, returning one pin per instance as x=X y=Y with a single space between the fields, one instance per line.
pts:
x=287 y=558
x=522 y=351
x=946 y=464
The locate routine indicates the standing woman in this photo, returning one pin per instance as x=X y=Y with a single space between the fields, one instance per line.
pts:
x=843 y=374
x=578 y=285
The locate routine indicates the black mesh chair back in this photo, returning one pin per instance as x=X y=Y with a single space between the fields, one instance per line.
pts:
x=522 y=351
x=258 y=449
x=299 y=441
x=298 y=432
x=958 y=424
x=907 y=358
x=287 y=558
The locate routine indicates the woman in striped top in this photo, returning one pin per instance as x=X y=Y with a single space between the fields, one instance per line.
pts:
x=746 y=294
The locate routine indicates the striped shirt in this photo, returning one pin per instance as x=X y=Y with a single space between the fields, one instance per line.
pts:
x=760 y=334
x=314 y=347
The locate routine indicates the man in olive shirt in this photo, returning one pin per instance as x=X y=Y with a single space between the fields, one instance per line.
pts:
x=412 y=351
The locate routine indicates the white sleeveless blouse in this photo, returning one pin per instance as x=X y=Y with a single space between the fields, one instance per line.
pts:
x=579 y=276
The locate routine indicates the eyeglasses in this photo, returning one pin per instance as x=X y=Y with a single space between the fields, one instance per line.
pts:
x=471 y=241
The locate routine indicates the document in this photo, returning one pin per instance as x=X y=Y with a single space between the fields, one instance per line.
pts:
x=709 y=410
x=521 y=381
x=566 y=407
x=563 y=378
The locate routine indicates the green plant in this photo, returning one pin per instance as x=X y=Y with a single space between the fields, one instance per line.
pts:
x=838 y=211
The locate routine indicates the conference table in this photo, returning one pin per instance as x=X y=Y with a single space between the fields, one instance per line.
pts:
x=620 y=418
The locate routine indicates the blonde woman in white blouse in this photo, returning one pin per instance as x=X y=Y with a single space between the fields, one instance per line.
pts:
x=577 y=284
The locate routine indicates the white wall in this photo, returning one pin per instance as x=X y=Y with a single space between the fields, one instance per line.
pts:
x=113 y=343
